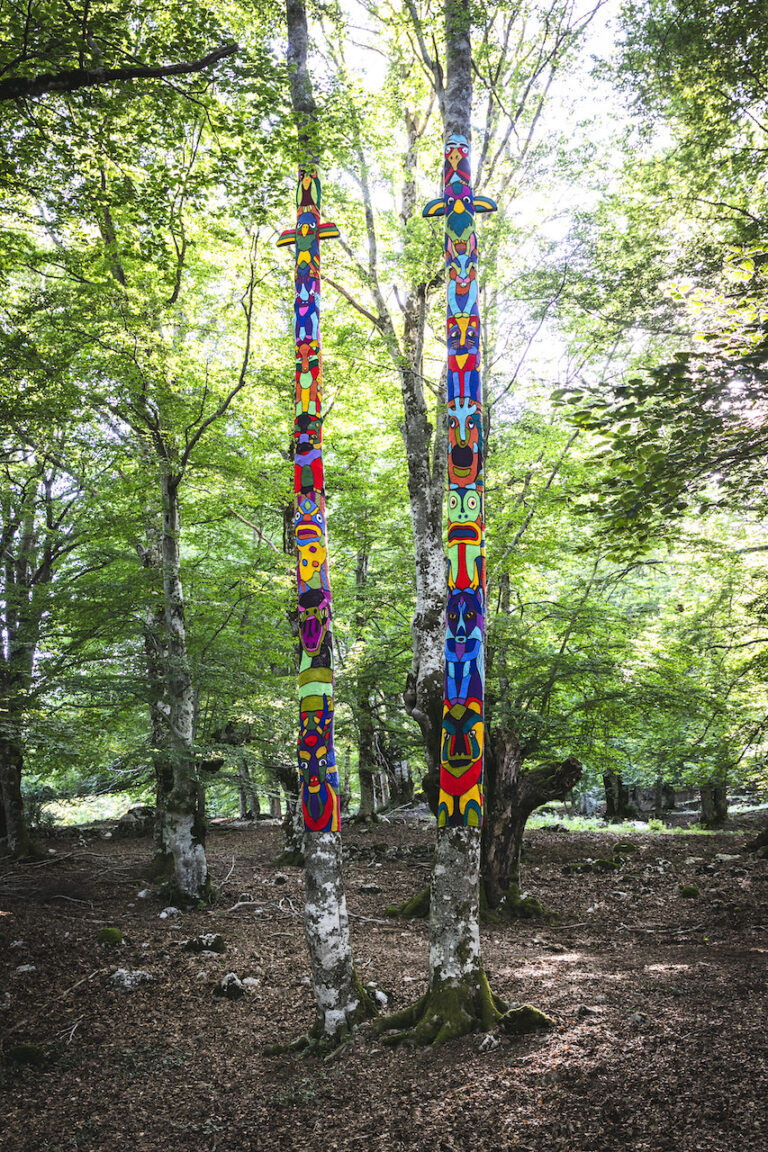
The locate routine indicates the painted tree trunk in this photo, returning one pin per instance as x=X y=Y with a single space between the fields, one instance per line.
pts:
x=459 y=999
x=454 y=933
x=339 y=999
x=184 y=830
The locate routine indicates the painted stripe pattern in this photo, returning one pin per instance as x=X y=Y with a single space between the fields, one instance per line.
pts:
x=461 y=753
x=316 y=755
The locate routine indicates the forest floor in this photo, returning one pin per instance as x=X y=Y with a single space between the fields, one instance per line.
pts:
x=660 y=1002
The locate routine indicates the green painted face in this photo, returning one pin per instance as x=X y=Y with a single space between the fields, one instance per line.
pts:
x=464 y=506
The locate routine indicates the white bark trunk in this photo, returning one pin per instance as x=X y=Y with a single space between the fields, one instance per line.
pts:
x=326 y=927
x=184 y=818
x=454 y=934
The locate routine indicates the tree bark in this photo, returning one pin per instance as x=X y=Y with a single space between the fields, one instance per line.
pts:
x=511 y=795
x=13 y=826
x=184 y=818
x=248 y=797
x=156 y=657
x=714 y=805
x=400 y=784
x=617 y=805
x=340 y=1000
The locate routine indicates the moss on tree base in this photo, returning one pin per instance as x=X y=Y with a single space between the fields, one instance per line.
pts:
x=513 y=906
x=417 y=908
x=525 y=1019
x=289 y=858
x=446 y=1012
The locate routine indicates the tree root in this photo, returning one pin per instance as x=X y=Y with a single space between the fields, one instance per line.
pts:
x=446 y=1012
x=320 y=1042
x=514 y=906
x=417 y=908
x=289 y=858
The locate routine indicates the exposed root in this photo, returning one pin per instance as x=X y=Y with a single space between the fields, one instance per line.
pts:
x=446 y=1012
x=289 y=858
x=521 y=1021
x=514 y=905
x=319 y=1041
x=417 y=908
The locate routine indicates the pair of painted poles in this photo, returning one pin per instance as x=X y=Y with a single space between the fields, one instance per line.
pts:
x=461 y=763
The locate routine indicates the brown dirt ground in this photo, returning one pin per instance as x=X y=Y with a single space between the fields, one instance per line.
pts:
x=670 y=1056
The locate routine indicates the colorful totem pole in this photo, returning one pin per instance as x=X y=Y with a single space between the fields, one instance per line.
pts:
x=461 y=757
x=317 y=760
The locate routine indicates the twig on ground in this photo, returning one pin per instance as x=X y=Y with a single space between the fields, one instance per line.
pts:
x=20 y=1023
x=228 y=874
x=244 y=904
x=373 y=920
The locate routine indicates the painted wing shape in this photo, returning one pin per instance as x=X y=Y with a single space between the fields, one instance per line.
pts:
x=287 y=237
x=434 y=208
x=485 y=204
x=328 y=232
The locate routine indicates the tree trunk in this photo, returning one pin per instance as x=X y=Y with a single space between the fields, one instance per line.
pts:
x=340 y=1000
x=459 y=999
x=293 y=820
x=617 y=805
x=346 y=784
x=14 y=824
x=511 y=795
x=184 y=818
x=249 y=800
x=156 y=656
x=400 y=784
x=714 y=805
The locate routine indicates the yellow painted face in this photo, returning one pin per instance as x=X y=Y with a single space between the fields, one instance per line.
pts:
x=311 y=558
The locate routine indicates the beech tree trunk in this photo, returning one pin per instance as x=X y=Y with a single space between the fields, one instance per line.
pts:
x=156 y=657
x=340 y=1000
x=512 y=793
x=248 y=796
x=714 y=805
x=617 y=805
x=184 y=817
x=400 y=784
x=13 y=824
x=27 y=570
x=459 y=999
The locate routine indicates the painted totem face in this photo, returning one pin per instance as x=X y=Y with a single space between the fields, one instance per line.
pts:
x=463 y=340
x=310 y=538
x=465 y=438
x=464 y=620
x=462 y=738
x=464 y=506
x=457 y=155
x=308 y=376
x=308 y=189
x=313 y=744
